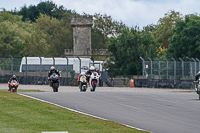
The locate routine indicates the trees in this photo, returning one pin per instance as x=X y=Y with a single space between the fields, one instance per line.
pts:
x=14 y=34
x=103 y=28
x=50 y=37
x=46 y=37
x=126 y=50
x=48 y=7
x=46 y=31
x=29 y=14
x=151 y=42
x=51 y=9
x=51 y=33
x=165 y=26
x=185 y=41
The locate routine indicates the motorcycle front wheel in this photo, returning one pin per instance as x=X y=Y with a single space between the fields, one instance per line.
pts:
x=93 y=86
x=83 y=88
x=55 y=87
x=13 y=90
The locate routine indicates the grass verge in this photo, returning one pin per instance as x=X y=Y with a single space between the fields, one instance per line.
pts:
x=183 y=91
x=20 y=114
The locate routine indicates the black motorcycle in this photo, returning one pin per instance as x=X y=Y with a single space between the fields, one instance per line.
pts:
x=54 y=78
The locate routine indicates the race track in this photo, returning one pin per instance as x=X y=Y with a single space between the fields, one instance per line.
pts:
x=153 y=110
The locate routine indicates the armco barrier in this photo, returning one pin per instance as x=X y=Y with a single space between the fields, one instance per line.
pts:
x=149 y=83
x=156 y=83
x=2 y=79
x=35 y=80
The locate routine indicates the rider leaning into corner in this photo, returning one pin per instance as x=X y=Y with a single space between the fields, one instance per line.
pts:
x=80 y=75
x=12 y=78
x=90 y=71
x=53 y=70
x=196 y=78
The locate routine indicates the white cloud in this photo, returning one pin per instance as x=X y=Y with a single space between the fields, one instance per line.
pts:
x=131 y=12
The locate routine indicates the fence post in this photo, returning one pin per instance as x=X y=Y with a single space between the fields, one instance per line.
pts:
x=158 y=66
x=113 y=82
x=167 y=67
x=142 y=66
x=191 y=69
x=53 y=60
x=182 y=68
x=80 y=63
x=40 y=66
x=11 y=64
x=151 y=68
x=26 y=68
x=67 y=68
x=174 y=68
x=99 y=67
x=92 y=60
x=199 y=63
x=195 y=68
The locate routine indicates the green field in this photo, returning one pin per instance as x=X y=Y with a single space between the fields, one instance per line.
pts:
x=19 y=114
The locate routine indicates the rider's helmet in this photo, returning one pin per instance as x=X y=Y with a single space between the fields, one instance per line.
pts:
x=82 y=73
x=92 y=68
x=198 y=72
x=53 y=68
x=13 y=77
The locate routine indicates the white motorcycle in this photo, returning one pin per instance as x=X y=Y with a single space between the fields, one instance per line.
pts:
x=94 y=81
x=197 y=87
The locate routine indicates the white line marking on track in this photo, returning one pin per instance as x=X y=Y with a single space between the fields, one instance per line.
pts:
x=76 y=110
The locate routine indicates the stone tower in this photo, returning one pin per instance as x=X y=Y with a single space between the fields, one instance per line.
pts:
x=82 y=36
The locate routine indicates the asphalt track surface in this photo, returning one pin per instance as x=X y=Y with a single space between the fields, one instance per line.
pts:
x=153 y=110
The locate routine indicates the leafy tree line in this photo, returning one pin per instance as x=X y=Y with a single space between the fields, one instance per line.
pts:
x=173 y=36
x=45 y=37
x=48 y=7
x=46 y=30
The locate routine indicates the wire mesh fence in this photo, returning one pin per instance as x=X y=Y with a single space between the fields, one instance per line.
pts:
x=34 y=70
x=9 y=66
x=39 y=66
x=151 y=69
x=181 y=70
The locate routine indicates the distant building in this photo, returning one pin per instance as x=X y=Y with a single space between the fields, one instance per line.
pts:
x=81 y=37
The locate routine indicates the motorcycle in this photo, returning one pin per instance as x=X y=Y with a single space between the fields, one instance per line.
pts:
x=83 y=83
x=94 y=81
x=197 y=88
x=54 y=78
x=13 y=86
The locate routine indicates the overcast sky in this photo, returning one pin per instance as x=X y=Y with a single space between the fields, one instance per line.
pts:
x=130 y=12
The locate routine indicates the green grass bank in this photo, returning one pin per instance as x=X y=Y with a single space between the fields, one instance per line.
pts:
x=19 y=114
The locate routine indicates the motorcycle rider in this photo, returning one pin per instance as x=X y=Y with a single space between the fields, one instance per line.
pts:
x=53 y=70
x=196 y=79
x=12 y=78
x=90 y=71
x=80 y=75
x=197 y=76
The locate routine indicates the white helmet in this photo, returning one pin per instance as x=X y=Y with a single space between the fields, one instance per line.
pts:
x=92 y=68
x=82 y=73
